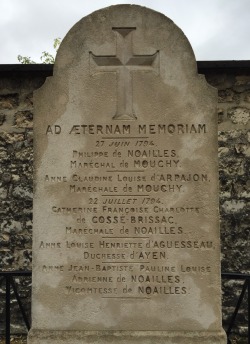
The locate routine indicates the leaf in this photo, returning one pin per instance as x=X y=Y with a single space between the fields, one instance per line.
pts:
x=46 y=57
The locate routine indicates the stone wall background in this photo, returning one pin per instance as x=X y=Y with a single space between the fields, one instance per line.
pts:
x=17 y=84
x=16 y=180
x=234 y=177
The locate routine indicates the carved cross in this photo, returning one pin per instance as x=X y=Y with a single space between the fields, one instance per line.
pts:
x=124 y=63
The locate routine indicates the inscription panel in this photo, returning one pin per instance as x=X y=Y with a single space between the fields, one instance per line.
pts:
x=128 y=220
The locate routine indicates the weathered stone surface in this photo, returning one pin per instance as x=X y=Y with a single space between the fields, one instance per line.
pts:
x=8 y=101
x=2 y=119
x=234 y=227
x=126 y=154
x=24 y=119
x=239 y=115
x=15 y=206
x=228 y=95
x=124 y=337
x=234 y=191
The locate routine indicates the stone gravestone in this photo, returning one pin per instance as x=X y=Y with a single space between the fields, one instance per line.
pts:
x=126 y=228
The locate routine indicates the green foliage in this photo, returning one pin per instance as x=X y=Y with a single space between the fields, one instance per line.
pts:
x=25 y=59
x=57 y=42
x=46 y=57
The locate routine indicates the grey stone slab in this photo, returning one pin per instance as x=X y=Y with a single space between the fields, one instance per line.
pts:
x=125 y=337
x=126 y=226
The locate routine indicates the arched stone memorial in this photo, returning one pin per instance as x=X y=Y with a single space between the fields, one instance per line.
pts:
x=126 y=226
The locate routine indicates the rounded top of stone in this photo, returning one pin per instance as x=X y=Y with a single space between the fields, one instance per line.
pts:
x=153 y=31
